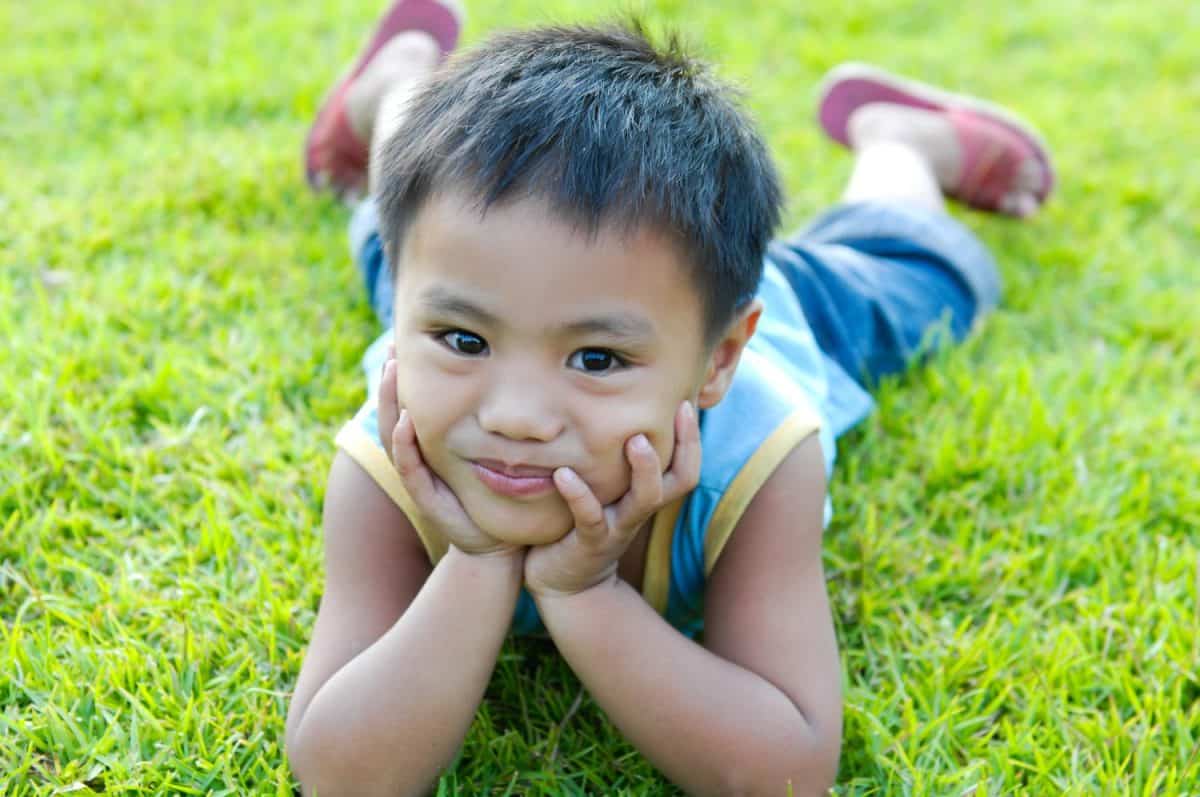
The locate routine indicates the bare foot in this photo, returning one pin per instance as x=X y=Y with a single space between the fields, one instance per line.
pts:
x=933 y=136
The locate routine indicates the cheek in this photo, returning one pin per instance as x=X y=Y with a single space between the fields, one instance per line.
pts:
x=430 y=400
x=608 y=432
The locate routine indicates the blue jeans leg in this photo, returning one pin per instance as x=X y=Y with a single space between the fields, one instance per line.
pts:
x=366 y=248
x=882 y=283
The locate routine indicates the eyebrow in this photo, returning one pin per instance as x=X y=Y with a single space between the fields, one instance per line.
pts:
x=441 y=301
x=624 y=326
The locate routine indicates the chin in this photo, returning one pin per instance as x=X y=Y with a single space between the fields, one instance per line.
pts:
x=526 y=537
x=533 y=526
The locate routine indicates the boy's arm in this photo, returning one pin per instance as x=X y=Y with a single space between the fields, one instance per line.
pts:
x=760 y=706
x=400 y=654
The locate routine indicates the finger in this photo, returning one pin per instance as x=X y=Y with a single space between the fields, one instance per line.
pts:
x=684 y=473
x=387 y=409
x=406 y=456
x=591 y=525
x=645 y=484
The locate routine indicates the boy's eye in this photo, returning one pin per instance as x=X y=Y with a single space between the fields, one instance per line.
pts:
x=464 y=342
x=595 y=361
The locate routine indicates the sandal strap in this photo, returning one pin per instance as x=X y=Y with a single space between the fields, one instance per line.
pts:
x=992 y=158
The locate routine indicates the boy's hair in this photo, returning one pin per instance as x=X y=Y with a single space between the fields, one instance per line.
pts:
x=606 y=129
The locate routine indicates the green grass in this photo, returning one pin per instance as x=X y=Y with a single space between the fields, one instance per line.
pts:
x=1013 y=564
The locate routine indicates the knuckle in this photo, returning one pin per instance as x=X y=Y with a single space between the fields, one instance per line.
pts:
x=686 y=484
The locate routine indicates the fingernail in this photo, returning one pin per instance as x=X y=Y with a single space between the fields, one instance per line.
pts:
x=566 y=479
x=689 y=411
x=640 y=443
x=403 y=417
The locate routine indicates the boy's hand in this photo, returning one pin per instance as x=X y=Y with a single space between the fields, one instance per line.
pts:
x=589 y=553
x=434 y=499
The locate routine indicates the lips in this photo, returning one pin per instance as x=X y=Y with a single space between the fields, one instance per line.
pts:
x=516 y=471
x=513 y=481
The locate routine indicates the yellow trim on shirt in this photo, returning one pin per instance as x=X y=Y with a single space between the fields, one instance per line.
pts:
x=656 y=576
x=750 y=479
x=370 y=456
x=656 y=579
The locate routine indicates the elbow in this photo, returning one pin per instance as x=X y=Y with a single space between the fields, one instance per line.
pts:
x=321 y=769
x=809 y=770
x=302 y=750
x=308 y=767
x=816 y=777
x=325 y=767
x=318 y=779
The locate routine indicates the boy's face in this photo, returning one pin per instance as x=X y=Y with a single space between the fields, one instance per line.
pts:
x=523 y=346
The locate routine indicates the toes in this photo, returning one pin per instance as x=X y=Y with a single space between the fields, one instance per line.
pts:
x=1030 y=176
x=1019 y=204
x=1027 y=205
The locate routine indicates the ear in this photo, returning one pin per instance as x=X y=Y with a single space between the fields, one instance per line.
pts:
x=724 y=358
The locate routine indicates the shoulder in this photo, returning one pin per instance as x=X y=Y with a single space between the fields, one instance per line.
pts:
x=745 y=439
x=777 y=545
x=778 y=541
x=363 y=525
x=786 y=512
x=358 y=442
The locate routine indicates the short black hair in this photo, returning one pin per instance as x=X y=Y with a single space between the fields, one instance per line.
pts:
x=606 y=128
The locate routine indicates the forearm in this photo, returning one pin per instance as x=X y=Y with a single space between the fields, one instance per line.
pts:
x=709 y=725
x=394 y=716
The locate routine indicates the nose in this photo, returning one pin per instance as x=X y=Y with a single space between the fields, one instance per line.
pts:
x=519 y=406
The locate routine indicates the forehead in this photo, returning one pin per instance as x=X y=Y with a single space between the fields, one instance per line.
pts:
x=525 y=264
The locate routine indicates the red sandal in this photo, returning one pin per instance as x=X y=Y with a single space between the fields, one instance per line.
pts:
x=994 y=141
x=334 y=156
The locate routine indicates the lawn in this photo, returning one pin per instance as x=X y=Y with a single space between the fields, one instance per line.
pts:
x=1013 y=562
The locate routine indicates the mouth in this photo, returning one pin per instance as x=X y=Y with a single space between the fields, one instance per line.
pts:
x=513 y=481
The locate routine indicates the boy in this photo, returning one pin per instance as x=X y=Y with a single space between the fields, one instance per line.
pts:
x=569 y=246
